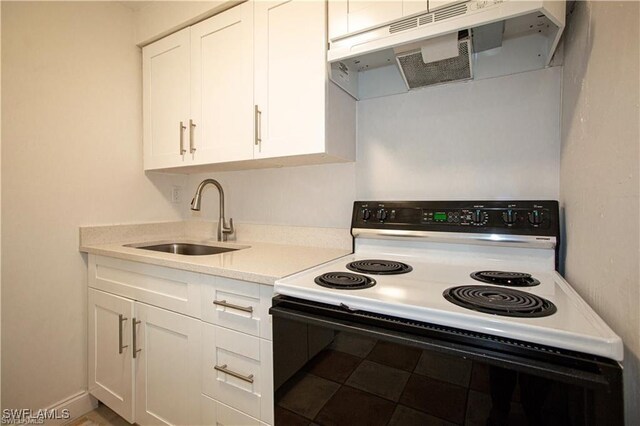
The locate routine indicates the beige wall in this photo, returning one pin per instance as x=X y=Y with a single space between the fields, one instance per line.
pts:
x=599 y=171
x=71 y=156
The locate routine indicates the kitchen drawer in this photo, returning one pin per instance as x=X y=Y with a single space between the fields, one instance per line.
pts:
x=217 y=413
x=167 y=288
x=239 y=305
x=248 y=383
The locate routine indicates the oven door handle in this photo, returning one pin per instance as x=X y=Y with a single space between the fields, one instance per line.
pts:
x=353 y=322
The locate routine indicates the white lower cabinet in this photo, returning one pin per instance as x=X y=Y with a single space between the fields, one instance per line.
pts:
x=167 y=378
x=238 y=305
x=144 y=357
x=218 y=414
x=110 y=362
x=236 y=370
x=155 y=366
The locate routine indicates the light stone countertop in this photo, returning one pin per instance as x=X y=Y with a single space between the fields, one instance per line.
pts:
x=259 y=262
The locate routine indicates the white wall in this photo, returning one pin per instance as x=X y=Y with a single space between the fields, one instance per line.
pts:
x=495 y=138
x=600 y=169
x=488 y=139
x=319 y=196
x=71 y=156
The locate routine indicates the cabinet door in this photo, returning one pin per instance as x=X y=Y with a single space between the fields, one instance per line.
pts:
x=167 y=367
x=222 y=87
x=166 y=74
x=110 y=362
x=290 y=77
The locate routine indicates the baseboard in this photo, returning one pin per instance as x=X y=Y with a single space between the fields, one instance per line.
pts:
x=77 y=405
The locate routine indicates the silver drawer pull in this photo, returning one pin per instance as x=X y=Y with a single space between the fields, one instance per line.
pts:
x=121 y=319
x=232 y=306
x=223 y=368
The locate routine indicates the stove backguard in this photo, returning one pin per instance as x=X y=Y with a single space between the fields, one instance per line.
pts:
x=512 y=223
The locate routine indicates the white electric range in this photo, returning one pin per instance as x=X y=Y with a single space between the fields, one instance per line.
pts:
x=561 y=318
x=474 y=286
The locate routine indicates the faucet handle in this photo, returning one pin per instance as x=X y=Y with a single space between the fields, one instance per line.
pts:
x=228 y=230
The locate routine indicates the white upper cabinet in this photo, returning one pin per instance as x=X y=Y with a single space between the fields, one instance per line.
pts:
x=298 y=112
x=198 y=93
x=251 y=90
x=290 y=75
x=222 y=87
x=166 y=75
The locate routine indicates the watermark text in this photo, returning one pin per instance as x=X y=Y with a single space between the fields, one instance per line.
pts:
x=23 y=416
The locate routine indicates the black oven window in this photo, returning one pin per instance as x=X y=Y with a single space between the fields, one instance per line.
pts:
x=328 y=377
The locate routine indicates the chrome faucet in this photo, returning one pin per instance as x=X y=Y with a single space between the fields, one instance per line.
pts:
x=223 y=229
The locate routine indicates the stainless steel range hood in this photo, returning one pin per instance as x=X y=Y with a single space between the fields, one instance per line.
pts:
x=500 y=37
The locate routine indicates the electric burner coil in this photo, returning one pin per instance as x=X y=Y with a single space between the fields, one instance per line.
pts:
x=500 y=301
x=506 y=278
x=379 y=267
x=344 y=281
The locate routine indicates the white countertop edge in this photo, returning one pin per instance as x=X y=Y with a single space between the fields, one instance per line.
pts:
x=119 y=251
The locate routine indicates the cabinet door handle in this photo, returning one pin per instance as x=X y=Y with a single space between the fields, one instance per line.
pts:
x=121 y=319
x=223 y=368
x=135 y=338
x=258 y=124
x=232 y=306
x=192 y=144
x=182 y=128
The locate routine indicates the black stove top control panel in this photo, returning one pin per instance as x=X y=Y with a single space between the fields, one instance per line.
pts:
x=503 y=217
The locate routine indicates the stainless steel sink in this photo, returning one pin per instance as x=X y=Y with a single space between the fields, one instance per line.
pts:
x=188 y=249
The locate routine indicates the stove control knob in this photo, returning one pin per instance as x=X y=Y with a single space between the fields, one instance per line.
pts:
x=509 y=216
x=366 y=214
x=535 y=217
x=478 y=216
x=381 y=215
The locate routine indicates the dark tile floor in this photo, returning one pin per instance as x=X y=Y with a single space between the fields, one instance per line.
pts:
x=359 y=381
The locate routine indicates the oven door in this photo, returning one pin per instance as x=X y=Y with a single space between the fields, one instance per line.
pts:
x=333 y=366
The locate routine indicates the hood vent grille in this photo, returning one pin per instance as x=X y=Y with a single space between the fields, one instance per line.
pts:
x=417 y=74
x=428 y=18
x=406 y=24
x=425 y=19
